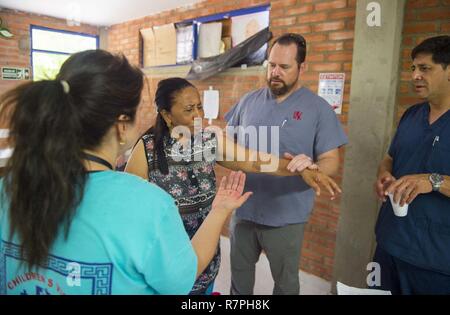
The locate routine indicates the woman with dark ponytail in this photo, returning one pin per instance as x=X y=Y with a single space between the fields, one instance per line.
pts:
x=69 y=224
x=161 y=157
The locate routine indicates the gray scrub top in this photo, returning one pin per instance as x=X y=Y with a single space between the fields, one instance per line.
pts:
x=306 y=124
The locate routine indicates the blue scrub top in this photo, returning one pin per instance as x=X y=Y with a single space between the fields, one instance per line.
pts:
x=422 y=238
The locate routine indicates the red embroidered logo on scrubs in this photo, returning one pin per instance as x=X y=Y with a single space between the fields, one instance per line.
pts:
x=297 y=115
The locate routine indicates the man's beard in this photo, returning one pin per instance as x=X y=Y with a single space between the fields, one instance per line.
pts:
x=280 y=91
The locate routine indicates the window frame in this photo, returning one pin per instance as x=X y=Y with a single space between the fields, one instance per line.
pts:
x=43 y=28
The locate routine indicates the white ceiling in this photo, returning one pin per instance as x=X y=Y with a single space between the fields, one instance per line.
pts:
x=96 y=12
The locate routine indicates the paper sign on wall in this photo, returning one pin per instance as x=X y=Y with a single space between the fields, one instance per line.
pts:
x=14 y=73
x=245 y=26
x=331 y=88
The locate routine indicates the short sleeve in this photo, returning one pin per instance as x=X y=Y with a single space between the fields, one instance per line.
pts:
x=232 y=117
x=393 y=146
x=171 y=263
x=394 y=143
x=329 y=134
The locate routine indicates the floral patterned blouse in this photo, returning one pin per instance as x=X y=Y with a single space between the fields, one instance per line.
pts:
x=191 y=182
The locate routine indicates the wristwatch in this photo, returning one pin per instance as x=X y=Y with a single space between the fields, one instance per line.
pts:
x=436 y=181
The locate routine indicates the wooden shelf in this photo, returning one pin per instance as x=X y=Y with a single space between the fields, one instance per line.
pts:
x=183 y=70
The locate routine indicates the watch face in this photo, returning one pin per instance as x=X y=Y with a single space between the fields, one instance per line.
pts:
x=436 y=179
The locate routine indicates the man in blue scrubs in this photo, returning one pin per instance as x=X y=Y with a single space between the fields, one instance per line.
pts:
x=414 y=251
x=273 y=220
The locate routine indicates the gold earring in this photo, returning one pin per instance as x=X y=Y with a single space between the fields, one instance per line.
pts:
x=121 y=142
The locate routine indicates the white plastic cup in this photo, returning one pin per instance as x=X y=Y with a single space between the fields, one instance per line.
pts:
x=398 y=210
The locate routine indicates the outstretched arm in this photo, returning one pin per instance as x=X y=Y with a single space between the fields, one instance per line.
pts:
x=228 y=198
x=236 y=157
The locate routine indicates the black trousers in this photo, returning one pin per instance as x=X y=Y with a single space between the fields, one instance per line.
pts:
x=400 y=277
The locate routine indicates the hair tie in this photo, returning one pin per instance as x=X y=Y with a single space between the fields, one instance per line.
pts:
x=66 y=86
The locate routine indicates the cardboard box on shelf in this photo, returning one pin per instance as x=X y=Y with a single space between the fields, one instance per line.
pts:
x=209 y=41
x=166 y=44
x=149 y=52
x=160 y=45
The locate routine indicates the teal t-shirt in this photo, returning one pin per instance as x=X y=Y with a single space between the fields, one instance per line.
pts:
x=126 y=237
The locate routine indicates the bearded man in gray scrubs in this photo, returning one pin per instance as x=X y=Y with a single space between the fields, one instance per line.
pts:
x=273 y=220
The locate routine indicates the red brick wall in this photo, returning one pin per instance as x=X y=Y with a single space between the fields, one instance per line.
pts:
x=423 y=19
x=328 y=27
x=19 y=24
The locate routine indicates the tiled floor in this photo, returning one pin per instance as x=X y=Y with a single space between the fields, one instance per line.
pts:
x=309 y=284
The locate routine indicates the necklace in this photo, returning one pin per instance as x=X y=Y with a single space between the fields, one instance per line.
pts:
x=98 y=160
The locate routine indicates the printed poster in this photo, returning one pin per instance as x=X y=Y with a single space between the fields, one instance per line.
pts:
x=331 y=88
x=245 y=26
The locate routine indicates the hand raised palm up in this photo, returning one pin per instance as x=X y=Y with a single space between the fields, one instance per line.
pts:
x=229 y=195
